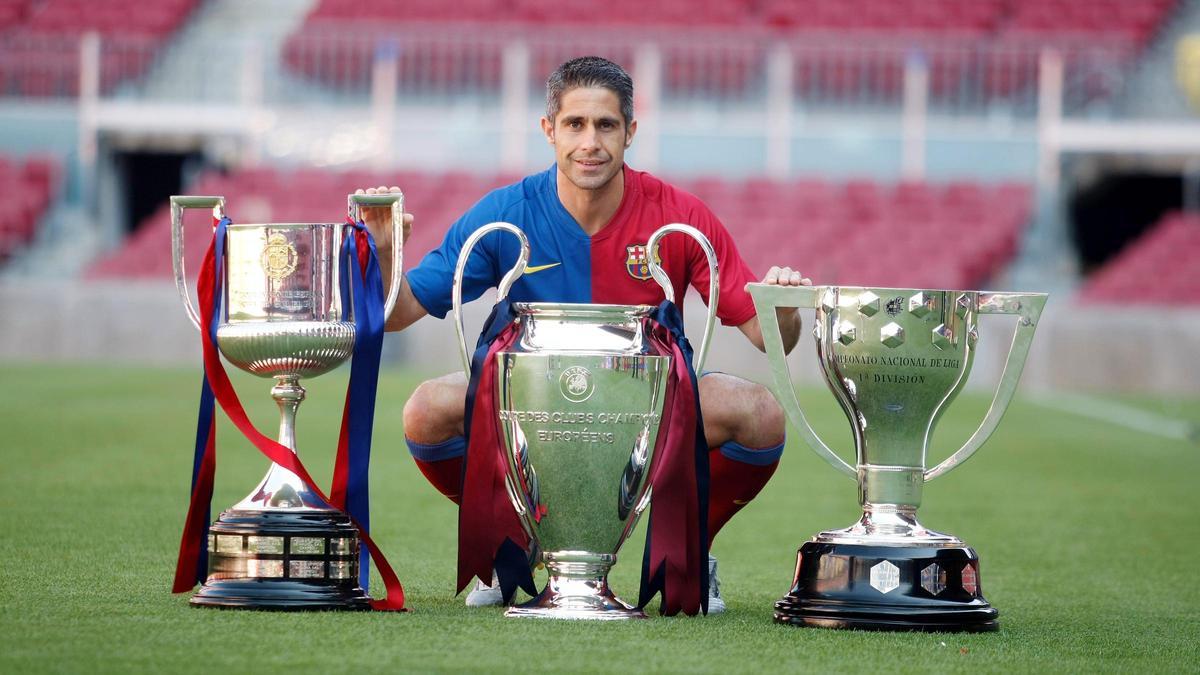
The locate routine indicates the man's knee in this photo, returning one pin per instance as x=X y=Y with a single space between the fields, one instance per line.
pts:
x=434 y=412
x=740 y=410
x=768 y=412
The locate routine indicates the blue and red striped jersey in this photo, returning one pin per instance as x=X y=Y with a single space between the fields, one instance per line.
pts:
x=566 y=265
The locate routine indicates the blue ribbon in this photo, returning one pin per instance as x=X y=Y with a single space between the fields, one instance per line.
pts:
x=205 y=418
x=365 y=294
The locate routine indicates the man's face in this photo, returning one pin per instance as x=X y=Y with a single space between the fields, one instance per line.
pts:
x=589 y=136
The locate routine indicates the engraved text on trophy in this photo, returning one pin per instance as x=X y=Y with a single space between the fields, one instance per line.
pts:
x=273 y=274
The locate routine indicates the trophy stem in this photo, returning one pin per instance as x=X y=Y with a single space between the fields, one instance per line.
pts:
x=280 y=488
x=288 y=394
x=577 y=588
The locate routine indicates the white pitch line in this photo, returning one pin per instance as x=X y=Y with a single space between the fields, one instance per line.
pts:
x=1121 y=415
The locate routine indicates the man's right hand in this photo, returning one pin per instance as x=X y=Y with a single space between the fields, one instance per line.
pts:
x=378 y=219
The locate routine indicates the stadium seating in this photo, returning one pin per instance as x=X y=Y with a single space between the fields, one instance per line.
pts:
x=39 y=41
x=1158 y=268
x=28 y=187
x=978 y=48
x=954 y=235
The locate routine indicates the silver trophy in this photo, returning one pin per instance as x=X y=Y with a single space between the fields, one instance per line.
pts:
x=895 y=359
x=580 y=401
x=283 y=547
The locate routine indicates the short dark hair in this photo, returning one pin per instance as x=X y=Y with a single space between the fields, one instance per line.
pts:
x=589 y=71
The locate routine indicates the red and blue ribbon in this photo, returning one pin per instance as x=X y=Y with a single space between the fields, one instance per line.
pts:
x=675 y=560
x=353 y=456
x=364 y=288
x=490 y=535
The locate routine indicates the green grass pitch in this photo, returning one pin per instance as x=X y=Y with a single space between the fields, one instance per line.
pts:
x=1087 y=533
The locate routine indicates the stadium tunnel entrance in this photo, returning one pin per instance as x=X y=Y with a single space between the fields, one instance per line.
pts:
x=1112 y=206
x=137 y=173
x=148 y=178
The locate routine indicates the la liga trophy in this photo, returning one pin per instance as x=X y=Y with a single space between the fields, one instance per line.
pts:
x=894 y=359
x=282 y=547
x=580 y=400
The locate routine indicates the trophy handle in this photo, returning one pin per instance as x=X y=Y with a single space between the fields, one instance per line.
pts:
x=766 y=298
x=178 y=204
x=354 y=204
x=502 y=290
x=664 y=281
x=1028 y=306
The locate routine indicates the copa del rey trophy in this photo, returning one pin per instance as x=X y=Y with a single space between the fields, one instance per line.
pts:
x=894 y=359
x=282 y=546
x=580 y=400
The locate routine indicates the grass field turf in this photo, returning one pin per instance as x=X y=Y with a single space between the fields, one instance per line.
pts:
x=1087 y=533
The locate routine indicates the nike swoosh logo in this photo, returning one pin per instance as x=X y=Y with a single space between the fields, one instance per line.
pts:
x=539 y=268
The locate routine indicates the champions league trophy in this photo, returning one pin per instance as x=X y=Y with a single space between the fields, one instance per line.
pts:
x=283 y=547
x=894 y=358
x=581 y=396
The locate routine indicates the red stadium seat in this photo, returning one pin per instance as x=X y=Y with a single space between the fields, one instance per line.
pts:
x=39 y=41
x=1173 y=244
x=28 y=186
x=947 y=30
x=859 y=232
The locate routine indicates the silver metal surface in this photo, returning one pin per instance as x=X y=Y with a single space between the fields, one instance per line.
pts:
x=280 y=488
x=282 y=317
x=714 y=286
x=178 y=204
x=933 y=579
x=894 y=359
x=580 y=403
x=501 y=292
x=806 y=297
x=354 y=204
x=885 y=577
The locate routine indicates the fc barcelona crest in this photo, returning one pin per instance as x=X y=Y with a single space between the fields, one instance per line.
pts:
x=636 y=264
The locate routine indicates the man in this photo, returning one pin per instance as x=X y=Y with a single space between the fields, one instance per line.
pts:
x=587 y=218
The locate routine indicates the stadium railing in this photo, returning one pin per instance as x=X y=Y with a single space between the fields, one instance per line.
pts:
x=41 y=43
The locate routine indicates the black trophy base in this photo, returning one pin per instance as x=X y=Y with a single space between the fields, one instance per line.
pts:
x=282 y=561
x=895 y=588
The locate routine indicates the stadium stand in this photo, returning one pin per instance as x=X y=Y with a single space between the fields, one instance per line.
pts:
x=28 y=187
x=1133 y=18
x=254 y=195
x=953 y=235
x=39 y=41
x=984 y=48
x=1159 y=268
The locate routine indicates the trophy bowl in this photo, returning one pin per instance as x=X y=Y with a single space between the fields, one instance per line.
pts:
x=894 y=359
x=282 y=547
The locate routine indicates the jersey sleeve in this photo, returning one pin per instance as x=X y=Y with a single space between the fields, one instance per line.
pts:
x=432 y=280
x=734 y=305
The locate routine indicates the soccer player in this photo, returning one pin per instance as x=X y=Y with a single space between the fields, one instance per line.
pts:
x=588 y=218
